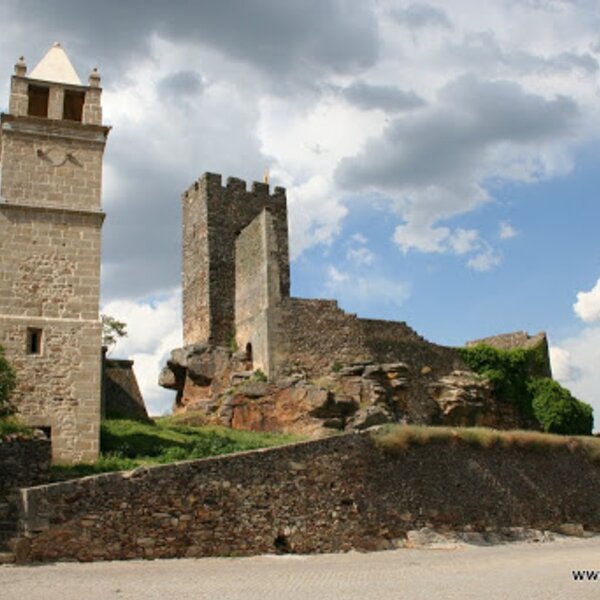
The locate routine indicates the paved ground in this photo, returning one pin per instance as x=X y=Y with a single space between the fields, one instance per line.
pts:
x=520 y=570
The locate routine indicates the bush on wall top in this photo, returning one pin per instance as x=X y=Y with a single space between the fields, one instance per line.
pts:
x=510 y=372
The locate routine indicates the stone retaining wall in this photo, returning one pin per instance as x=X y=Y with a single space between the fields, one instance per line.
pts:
x=23 y=462
x=323 y=496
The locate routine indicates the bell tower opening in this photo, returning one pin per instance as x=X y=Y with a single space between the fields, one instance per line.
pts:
x=38 y=101
x=73 y=105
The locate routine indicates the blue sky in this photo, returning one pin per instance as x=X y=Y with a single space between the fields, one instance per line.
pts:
x=441 y=159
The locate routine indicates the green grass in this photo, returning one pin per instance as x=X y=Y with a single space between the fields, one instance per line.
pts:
x=11 y=425
x=398 y=438
x=126 y=444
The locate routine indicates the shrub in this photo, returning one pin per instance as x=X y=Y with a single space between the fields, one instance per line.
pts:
x=557 y=410
x=10 y=425
x=7 y=385
x=258 y=375
x=508 y=370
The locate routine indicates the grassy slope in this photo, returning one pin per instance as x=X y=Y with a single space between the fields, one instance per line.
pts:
x=129 y=444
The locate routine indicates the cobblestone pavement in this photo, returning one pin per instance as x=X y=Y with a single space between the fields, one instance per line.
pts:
x=519 y=570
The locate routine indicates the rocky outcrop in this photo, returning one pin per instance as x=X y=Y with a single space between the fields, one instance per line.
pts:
x=216 y=383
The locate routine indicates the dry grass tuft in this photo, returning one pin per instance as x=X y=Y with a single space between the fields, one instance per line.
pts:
x=398 y=438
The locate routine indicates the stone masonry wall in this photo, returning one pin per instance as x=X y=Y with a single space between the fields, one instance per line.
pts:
x=313 y=335
x=389 y=341
x=50 y=259
x=59 y=388
x=325 y=496
x=51 y=163
x=121 y=395
x=50 y=262
x=23 y=463
x=257 y=290
x=213 y=216
x=540 y=365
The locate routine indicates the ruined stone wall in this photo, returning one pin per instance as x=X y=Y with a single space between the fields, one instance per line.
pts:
x=325 y=496
x=539 y=355
x=508 y=341
x=23 y=463
x=313 y=335
x=316 y=334
x=51 y=163
x=121 y=396
x=390 y=341
x=257 y=290
x=213 y=216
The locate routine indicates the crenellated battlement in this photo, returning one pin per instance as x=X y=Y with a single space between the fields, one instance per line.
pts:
x=234 y=187
x=214 y=215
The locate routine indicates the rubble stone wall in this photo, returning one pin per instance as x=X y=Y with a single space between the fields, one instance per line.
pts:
x=23 y=463
x=390 y=341
x=257 y=291
x=213 y=216
x=121 y=395
x=324 y=496
x=314 y=335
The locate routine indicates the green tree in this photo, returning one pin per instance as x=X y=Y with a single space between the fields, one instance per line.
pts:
x=112 y=331
x=558 y=411
x=8 y=382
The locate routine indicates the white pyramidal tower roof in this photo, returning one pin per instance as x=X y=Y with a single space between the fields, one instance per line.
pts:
x=56 y=66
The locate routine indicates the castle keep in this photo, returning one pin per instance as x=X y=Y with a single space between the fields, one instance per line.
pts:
x=51 y=148
x=236 y=289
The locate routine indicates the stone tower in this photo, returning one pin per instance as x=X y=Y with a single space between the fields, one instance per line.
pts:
x=51 y=148
x=235 y=264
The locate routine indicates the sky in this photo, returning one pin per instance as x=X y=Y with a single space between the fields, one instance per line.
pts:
x=441 y=159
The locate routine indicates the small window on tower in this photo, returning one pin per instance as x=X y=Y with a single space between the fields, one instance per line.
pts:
x=34 y=341
x=38 y=101
x=73 y=106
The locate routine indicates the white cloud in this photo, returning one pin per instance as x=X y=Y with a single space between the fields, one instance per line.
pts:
x=153 y=330
x=315 y=214
x=360 y=256
x=366 y=294
x=506 y=231
x=575 y=363
x=422 y=238
x=434 y=164
x=587 y=307
x=463 y=241
x=357 y=252
x=485 y=261
x=562 y=364
x=336 y=277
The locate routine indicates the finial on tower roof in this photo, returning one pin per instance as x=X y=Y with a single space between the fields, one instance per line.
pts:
x=94 y=78
x=21 y=67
